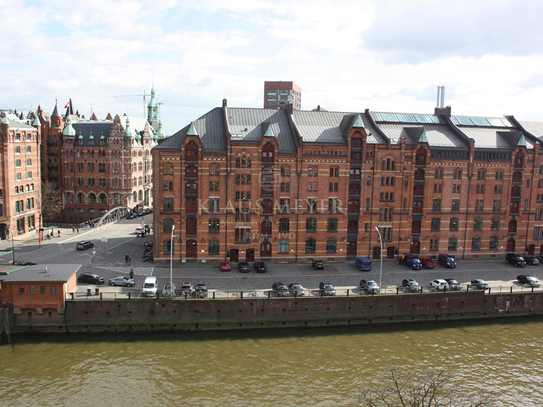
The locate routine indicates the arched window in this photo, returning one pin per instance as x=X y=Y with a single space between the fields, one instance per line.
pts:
x=167 y=244
x=331 y=245
x=310 y=245
x=332 y=225
x=311 y=225
x=91 y=198
x=79 y=197
x=283 y=246
x=495 y=225
x=453 y=244
x=478 y=224
x=167 y=225
x=102 y=198
x=214 y=225
x=213 y=246
x=454 y=225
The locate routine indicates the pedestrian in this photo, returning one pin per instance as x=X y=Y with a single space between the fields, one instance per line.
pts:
x=59 y=233
x=129 y=260
x=77 y=228
x=73 y=230
x=131 y=273
x=400 y=260
x=126 y=259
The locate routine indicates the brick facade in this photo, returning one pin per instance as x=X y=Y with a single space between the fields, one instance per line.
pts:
x=424 y=196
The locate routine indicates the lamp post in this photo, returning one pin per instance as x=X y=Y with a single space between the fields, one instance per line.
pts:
x=171 y=262
x=380 y=255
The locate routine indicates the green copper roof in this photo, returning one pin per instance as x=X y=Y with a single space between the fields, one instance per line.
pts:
x=36 y=122
x=521 y=141
x=192 y=130
x=5 y=120
x=68 y=130
x=160 y=132
x=423 y=138
x=358 y=121
x=269 y=132
x=127 y=129
x=152 y=108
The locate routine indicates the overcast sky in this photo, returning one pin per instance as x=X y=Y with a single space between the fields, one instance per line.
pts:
x=351 y=55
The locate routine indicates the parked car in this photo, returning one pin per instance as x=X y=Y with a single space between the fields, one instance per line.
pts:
x=139 y=231
x=225 y=266
x=528 y=280
x=122 y=281
x=280 y=289
x=296 y=289
x=90 y=278
x=260 y=267
x=84 y=245
x=439 y=284
x=363 y=264
x=369 y=287
x=327 y=288
x=515 y=260
x=534 y=261
x=478 y=284
x=132 y=215
x=200 y=291
x=454 y=285
x=169 y=291
x=446 y=260
x=243 y=267
x=150 y=287
x=411 y=285
x=427 y=262
x=318 y=265
x=186 y=288
x=412 y=261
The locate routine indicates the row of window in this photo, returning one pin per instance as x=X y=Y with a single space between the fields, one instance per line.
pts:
x=19 y=205
x=454 y=224
x=18 y=149
x=479 y=202
x=475 y=244
x=21 y=189
x=283 y=246
x=32 y=290
x=19 y=137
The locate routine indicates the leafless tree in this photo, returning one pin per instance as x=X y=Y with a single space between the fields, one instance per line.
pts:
x=397 y=386
x=51 y=201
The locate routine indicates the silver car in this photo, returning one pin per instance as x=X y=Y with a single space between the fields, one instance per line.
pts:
x=168 y=291
x=296 y=290
x=122 y=281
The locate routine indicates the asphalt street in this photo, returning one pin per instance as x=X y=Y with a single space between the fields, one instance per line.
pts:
x=116 y=240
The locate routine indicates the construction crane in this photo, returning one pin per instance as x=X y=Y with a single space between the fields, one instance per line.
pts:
x=133 y=96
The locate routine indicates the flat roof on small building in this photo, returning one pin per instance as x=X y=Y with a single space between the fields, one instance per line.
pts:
x=43 y=273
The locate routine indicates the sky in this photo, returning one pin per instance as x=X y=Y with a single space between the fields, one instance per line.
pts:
x=346 y=55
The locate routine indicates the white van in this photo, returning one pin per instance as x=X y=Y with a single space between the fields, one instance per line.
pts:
x=150 y=287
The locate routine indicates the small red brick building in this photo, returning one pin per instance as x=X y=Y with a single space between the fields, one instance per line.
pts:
x=37 y=294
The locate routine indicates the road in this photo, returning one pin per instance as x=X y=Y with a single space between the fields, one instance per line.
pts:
x=114 y=241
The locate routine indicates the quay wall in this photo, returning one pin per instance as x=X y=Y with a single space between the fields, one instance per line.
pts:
x=254 y=313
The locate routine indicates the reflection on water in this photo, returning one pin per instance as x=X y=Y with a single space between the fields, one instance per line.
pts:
x=317 y=367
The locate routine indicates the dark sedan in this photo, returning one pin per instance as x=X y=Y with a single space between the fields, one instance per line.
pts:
x=90 y=278
x=243 y=267
x=260 y=267
x=280 y=289
x=84 y=245
x=478 y=284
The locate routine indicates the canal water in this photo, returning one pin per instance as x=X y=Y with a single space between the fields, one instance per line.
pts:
x=316 y=367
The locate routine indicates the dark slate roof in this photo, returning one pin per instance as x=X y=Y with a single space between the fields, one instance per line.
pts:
x=322 y=126
x=210 y=128
x=86 y=128
x=43 y=273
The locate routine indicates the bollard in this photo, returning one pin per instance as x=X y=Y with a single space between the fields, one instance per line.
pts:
x=241 y=294
x=129 y=295
x=269 y=295
x=96 y=290
x=213 y=294
x=89 y=291
x=72 y=294
x=511 y=290
x=100 y=295
x=347 y=292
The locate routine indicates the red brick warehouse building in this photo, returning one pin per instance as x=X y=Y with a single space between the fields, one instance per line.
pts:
x=20 y=184
x=292 y=185
x=99 y=165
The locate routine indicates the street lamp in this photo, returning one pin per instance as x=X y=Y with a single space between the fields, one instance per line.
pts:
x=380 y=255
x=171 y=263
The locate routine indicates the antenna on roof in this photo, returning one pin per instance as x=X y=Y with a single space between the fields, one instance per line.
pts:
x=440 y=97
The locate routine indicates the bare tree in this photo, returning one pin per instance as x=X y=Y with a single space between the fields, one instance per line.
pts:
x=51 y=201
x=397 y=386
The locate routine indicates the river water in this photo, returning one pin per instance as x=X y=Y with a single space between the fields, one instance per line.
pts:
x=317 y=367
